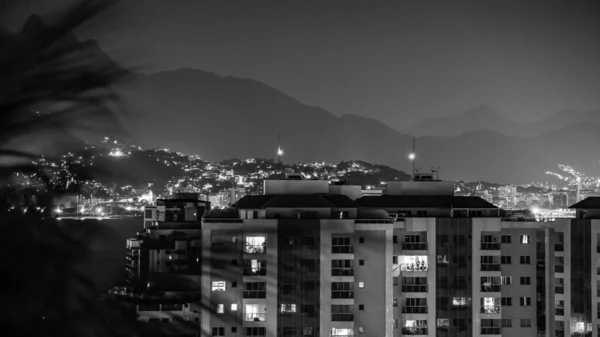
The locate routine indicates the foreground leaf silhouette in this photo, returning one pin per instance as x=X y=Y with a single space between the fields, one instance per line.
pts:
x=48 y=90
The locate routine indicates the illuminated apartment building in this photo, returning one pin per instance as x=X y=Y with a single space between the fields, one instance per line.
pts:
x=312 y=259
x=163 y=266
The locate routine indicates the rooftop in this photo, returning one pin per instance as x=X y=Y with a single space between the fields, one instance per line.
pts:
x=587 y=203
x=423 y=201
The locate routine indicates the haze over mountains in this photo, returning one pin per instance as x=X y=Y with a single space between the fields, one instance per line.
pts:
x=218 y=117
x=482 y=118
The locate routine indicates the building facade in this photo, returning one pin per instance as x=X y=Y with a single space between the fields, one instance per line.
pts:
x=306 y=259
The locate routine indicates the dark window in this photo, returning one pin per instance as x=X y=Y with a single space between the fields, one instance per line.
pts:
x=233 y=329
x=361 y=307
x=361 y=240
x=256 y=331
x=288 y=288
x=395 y=259
x=218 y=331
x=234 y=284
x=289 y=331
x=148 y=214
x=255 y=290
x=506 y=259
x=234 y=262
x=525 y=259
x=506 y=239
x=506 y=301
x=525 y=280
x=342 y=245
x=342 y=313
x=361 y=262
x=395 y=238
x=342 y=290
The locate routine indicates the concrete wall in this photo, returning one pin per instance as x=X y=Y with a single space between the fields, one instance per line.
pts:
x=420 y=188
x=281 y=187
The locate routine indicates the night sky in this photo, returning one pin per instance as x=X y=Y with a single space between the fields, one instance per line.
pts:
x=396 y=61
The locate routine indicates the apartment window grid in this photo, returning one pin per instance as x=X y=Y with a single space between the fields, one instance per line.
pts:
x=506 y=259
x=416 y=327
x=489 y=263
x=525 y=239
x=559 y=264
x=525 y=280
x=342 y=267
x=415 y=306
x=489 y=242
x=490 y=284
x=414 y=242
x=506 y=301
x=342 y=313
x=218 y=331
x=490 y=326
x=255 y=290
x=559 y=285
x=525 y=301
x=342 y=245
x=506 y=238
x=414 y=284
x=507 y=323
x=525 y=323
x=342 y=289
x=526 y=259
x=559 y=308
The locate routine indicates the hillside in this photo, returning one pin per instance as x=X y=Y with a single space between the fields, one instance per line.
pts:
x=219 y=117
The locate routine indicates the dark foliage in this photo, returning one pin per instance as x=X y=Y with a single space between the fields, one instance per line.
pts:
x=48 y=89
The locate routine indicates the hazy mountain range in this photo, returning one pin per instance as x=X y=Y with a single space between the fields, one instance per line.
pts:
x=224 y=117
x=484 y=118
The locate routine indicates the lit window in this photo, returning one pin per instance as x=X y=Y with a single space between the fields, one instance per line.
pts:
x=459 y=301
x=288 y=308
x=256 y=245
x=443 y=322
x=525 y=239
x=234 y=307
x=361 y=284
x=220 y=308
x=218 y=286
x=342 y=332
x=361 y=329
x=490 y=305
x=506 y=280
x=413 y=263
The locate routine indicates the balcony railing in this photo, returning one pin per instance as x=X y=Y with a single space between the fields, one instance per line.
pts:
x=491 y=310
x=255 y=271
x=490 y=246
x=346 y=317
x=491 y=288
x=559 y=247
x=256 y=249
x=414 y=310
x=559 y=269
x=255 y=317
x=342 y=272
x=490 y=331
x=559 y=311
x=342 y=249
x=414 y=331
x=406 y=288
x=490 y=267
x=414 y=245
x=255 y=294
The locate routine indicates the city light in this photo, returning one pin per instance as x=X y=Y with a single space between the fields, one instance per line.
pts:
x=279 y=152
x=58 y=210
x=116 y=153
x=411 y=156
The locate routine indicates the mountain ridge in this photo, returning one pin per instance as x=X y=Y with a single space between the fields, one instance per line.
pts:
x=199 y=112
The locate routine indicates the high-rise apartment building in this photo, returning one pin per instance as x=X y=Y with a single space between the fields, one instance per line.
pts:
x=163 y=270
x=310 y=259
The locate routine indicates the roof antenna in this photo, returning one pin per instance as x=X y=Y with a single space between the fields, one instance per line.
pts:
x=412 y=157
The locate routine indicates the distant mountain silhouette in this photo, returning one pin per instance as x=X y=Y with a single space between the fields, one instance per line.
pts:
x=483 y=117
x=199 y=112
